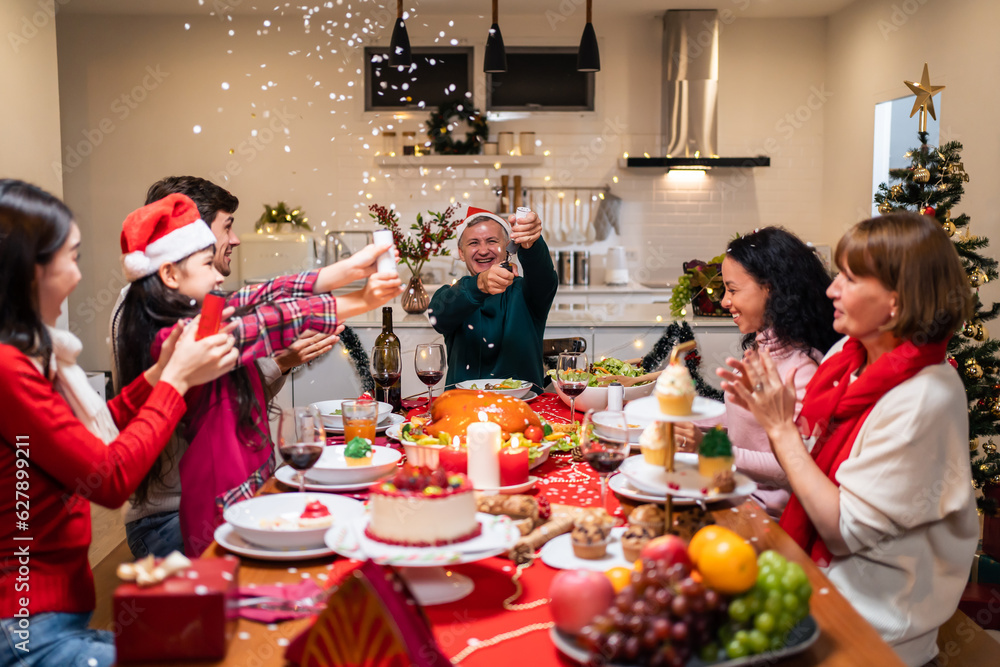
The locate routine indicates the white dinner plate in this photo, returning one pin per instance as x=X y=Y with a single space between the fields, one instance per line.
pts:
x=558 y=553
x=332 y=468
x=229 y=540
x=393 y=420
x=286 y=475
x=511 y=489
x=684 y=482
x=649 y=408
x=498 y=536
x=620 y=485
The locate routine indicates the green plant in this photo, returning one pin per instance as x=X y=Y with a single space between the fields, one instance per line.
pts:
x=275 y=216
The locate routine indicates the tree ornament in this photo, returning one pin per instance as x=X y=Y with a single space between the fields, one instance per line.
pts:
x=984 y=468
x=995 y=408
x=977 y=278
x=982 y=333
x=896 y=191
x=969 y=329
x=990 y=448
x=973 y=444
x=921 y=175
x=929 y=211
x=949 y=228
x=995 y=481
x=973 y=369
x=885 y=207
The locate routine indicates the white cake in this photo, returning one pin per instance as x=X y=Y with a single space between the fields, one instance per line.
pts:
x=419 y=508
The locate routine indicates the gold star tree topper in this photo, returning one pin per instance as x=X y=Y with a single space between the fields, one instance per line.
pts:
x=925 y=98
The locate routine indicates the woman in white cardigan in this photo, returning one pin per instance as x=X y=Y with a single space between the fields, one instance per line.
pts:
x=884 y=501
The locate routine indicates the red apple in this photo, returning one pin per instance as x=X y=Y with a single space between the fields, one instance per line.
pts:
x=668 y=549
x=577 y=597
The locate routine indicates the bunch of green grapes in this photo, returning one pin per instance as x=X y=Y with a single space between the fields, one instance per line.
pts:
x=761 y=618
x=680 y=295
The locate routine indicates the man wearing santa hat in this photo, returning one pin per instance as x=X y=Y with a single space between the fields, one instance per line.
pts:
x=493 y=320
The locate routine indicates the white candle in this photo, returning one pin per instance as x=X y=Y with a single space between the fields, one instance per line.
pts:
x=483 y=443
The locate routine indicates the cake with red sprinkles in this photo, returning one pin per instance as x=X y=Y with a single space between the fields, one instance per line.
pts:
x=419 y=507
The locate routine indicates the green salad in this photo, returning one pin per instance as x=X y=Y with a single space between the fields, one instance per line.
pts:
x=509 y=383
x=608 y=366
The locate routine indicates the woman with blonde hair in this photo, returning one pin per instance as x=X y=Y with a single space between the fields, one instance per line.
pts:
x=884 y=501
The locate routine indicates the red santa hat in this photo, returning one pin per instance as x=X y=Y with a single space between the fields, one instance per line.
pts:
x=167 y=230
x=473 y=213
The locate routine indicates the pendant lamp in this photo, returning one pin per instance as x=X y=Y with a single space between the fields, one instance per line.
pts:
x=496 y=56
x=588 y=58
x=399 y=45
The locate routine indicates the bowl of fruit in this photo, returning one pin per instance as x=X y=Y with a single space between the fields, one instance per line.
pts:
x=713 y=601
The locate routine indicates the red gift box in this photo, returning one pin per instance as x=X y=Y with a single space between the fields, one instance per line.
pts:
x=991 y=526
x=189 y=616
x=981 y=603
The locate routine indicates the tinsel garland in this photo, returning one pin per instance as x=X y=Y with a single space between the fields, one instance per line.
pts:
x=680 y=332
x=362 y=365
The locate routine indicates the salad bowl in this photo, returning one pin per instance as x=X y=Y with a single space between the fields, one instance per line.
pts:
x=507 y=387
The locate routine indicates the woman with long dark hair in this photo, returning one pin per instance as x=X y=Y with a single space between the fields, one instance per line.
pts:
x=883 y=499
x=60 y=445
x=775 y=291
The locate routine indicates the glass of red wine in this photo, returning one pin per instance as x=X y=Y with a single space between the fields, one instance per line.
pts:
x=572 y=377
x=386 y=367
x=429 y=364
x=605 y=446
x=301 y=439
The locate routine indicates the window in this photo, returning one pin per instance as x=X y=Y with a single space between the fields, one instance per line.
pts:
x=438 y=75
x=540 y=79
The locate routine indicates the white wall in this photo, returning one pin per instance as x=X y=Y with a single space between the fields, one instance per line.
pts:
x=872 y=47
x=768 y=67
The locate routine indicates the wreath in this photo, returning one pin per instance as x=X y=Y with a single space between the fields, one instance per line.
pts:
x=439 y=132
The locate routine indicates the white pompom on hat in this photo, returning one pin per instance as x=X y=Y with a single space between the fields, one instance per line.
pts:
x=167 y=230
x=472 y=213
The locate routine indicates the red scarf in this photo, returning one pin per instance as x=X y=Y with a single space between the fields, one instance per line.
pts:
x=835 y=408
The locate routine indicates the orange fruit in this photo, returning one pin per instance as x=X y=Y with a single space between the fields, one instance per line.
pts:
x=637 y=565
x=729 y=566
x=620 y=577
x=707 y=535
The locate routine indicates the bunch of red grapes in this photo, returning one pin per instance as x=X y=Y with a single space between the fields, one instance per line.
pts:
x=662 y=618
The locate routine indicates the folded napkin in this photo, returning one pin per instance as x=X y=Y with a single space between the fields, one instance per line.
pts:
x=307 y=589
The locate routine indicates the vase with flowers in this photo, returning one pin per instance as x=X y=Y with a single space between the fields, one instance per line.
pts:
x=425 y=239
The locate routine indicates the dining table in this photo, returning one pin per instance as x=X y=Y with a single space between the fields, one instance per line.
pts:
x=506 y=618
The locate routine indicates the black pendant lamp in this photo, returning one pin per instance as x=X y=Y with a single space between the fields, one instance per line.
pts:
x=399 y=46
x=496 y=56
x=588 y=58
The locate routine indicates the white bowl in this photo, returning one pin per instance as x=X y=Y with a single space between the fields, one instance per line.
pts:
x=423 y=455
x=330 y=420
x=332 y=468
x=520 y=392
x=596 y=398
x=246 y=517
x=607 y=425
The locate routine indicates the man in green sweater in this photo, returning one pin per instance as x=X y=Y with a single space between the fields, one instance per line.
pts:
x=493 y=321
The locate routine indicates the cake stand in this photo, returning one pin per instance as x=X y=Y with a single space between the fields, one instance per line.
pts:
x=424 y=568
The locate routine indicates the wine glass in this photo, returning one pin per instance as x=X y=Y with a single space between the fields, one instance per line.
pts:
x=386 y=367
x=429 y=364
x=301 y=439
x=605 y=445
x=572 y=377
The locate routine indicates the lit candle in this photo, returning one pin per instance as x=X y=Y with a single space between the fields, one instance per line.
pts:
x=455 y=458
x=513 y=464
x=483 y=439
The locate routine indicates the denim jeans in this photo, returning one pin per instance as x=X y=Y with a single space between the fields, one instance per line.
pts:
x=157 y=534
x=56 y=640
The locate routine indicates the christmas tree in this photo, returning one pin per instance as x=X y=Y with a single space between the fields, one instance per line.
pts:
x=933 y=184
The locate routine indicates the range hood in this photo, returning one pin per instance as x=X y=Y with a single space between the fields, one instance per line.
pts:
x=690 y=96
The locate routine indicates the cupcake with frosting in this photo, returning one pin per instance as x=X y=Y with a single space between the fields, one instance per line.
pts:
x=715 y=454
x=653 y=443
x=650 y=517
x=675 y=390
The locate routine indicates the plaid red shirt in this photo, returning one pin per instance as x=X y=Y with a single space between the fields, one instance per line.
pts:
x=282 y=309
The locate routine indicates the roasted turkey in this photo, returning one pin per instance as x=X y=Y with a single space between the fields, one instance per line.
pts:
x=455 y=409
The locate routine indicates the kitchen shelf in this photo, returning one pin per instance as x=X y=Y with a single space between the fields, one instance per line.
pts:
x=460 y=161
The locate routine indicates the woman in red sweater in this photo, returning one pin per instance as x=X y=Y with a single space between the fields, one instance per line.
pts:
x=60 y=445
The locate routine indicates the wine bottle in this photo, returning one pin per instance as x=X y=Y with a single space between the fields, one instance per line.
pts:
x=387 y=337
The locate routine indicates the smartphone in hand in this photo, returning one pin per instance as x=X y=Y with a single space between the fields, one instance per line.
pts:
x=211 y=314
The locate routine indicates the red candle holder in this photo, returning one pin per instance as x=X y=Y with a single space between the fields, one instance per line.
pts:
x=513 y=466
x=454 y=459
